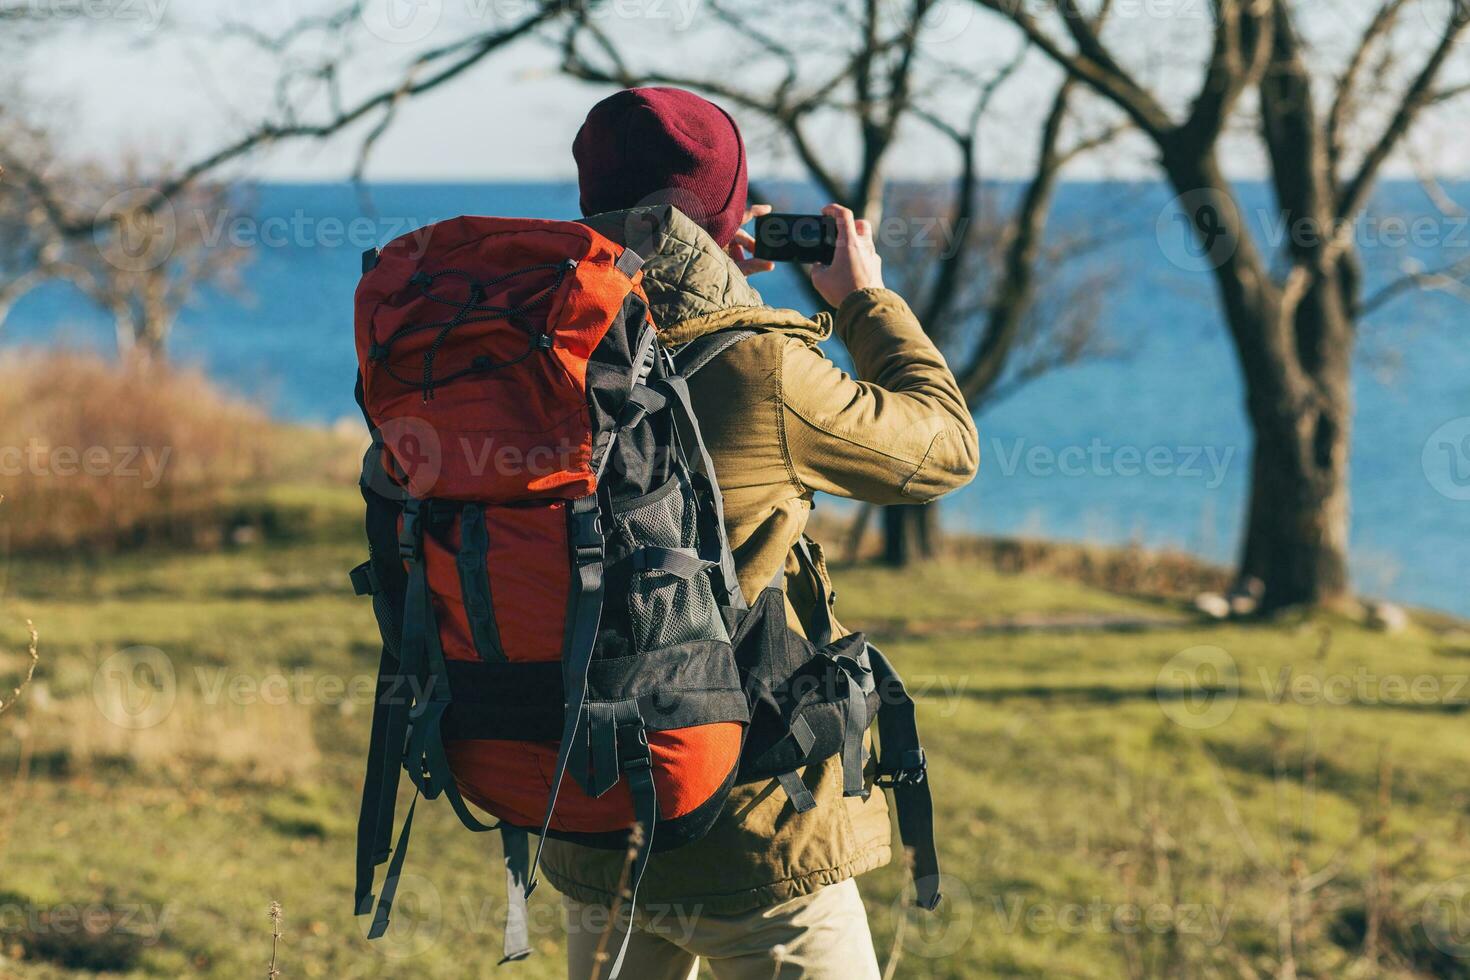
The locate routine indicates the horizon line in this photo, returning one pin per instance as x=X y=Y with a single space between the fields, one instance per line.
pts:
x=1447 y=179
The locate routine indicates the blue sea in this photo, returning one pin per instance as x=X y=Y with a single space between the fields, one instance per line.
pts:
x=1148 y=444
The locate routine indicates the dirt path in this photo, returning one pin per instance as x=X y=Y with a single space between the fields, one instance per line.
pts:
x=1041 y=622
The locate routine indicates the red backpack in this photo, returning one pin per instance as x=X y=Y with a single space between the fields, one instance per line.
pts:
x=565 y=643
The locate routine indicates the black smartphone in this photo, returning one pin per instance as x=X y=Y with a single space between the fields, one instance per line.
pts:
x=796 y=238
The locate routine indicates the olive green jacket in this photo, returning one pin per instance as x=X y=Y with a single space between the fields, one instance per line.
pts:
x=782 y=422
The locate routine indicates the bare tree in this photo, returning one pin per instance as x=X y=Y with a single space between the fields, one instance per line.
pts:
x=1293 y=329
x=151 y=263
x=865 y=66
x=139 y=241
x=144 y=260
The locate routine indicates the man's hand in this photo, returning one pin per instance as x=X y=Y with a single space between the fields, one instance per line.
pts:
x=855 y=263
x=744 y=244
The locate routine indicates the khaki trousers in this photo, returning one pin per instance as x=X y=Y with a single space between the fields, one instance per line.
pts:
x=823 y=936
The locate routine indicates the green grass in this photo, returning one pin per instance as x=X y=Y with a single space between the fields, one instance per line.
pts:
x=1076 y=781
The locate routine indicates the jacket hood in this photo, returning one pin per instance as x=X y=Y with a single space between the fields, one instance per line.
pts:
x=693 y=287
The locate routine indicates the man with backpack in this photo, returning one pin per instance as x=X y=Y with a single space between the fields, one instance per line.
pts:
x=768 y=890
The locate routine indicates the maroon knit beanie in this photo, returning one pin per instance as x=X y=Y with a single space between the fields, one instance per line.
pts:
x=663 y=146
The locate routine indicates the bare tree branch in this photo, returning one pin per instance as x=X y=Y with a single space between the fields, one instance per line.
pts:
x=1303 y=183
x=1450 y=278
x=941 y=297
x=1092 y=64
x=1240 y=54
x=1347 y=85
x=1420 y=94
x=281 y=43
x=437 y=67
x=1009 y=305
x=1449 y=94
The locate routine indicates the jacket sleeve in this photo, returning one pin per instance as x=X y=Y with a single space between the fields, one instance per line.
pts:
x=899 y=433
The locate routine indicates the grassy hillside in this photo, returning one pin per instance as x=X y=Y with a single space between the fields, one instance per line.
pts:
x=1123 y=790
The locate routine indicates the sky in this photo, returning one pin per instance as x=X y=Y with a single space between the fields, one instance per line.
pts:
x=174 y=79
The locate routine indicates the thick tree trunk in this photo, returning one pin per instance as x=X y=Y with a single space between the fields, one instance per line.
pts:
x=910 y=533
x=1297 y=524
x=1296 y=536
x=1296 y=370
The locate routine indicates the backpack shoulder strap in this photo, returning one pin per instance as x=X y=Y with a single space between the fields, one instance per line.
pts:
x=694 y=355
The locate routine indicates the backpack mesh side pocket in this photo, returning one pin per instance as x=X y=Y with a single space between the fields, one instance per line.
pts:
x=666 y=610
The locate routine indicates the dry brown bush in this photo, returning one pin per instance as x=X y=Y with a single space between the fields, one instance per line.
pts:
x=99 y=455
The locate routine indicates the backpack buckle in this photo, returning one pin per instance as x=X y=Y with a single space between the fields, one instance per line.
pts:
x=365 y=580
x=633 y=751
x=912 y=770
x=411 y=536
x=586 y=533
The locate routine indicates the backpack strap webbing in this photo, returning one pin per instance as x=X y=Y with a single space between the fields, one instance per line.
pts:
x=694 y=355
x=390 y=703
x=426 y=761
x=422 y=659
x=675 y=389
x=517 y=848
x=634 y=761
x=856 y=682
x=798 y=732
x=381 y=577
x=856 y=676
x=629 y=262
x=818 y=595
x=474 y=583
x=401 y=677
x=903 y=768
x=584 y=615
